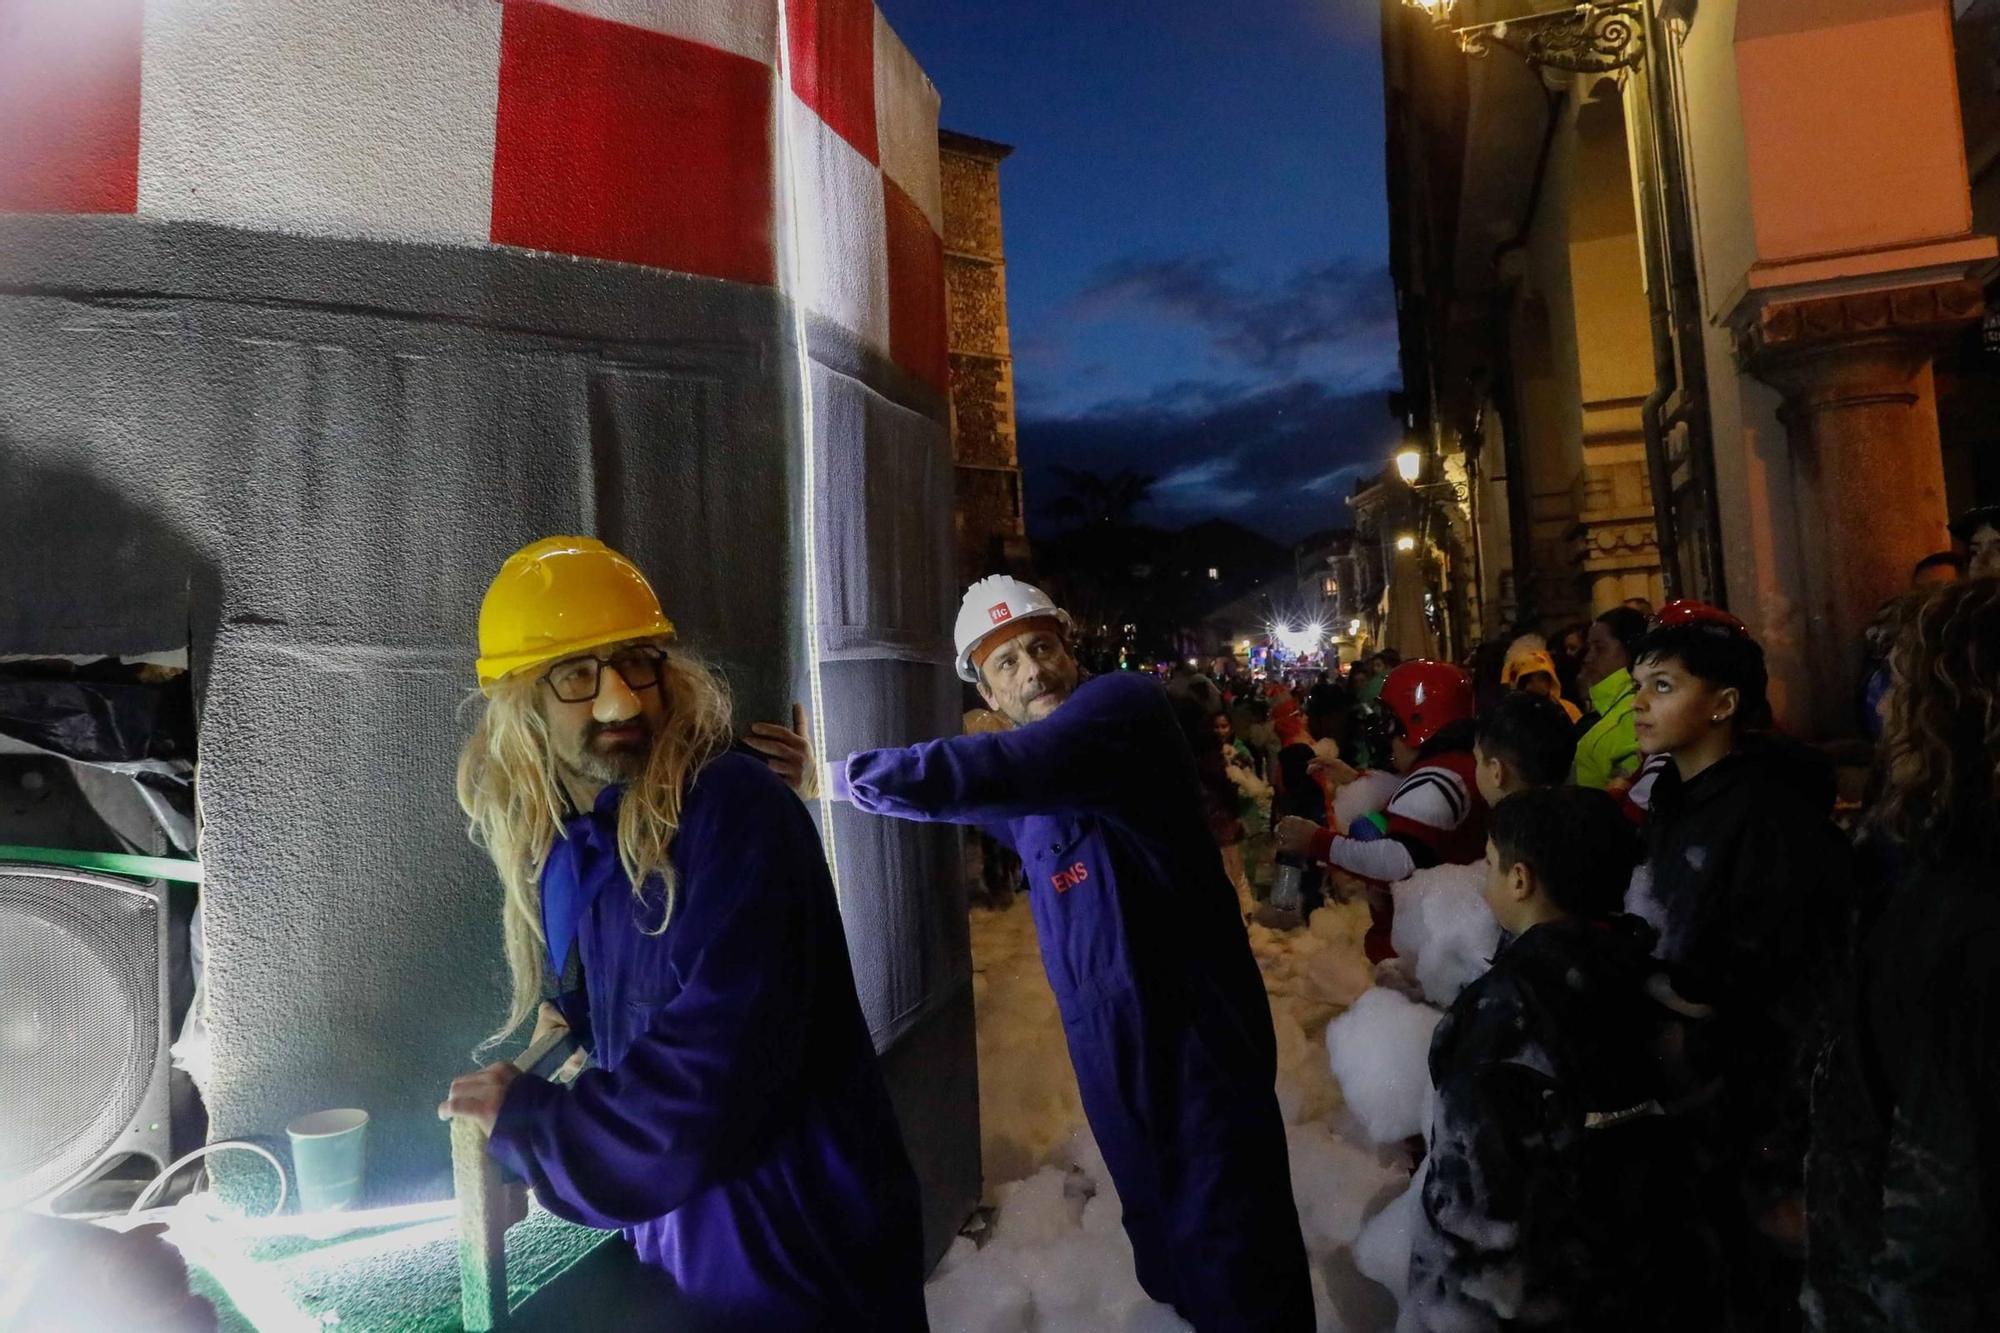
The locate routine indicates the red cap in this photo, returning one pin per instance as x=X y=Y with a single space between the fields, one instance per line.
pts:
x=1687 y=611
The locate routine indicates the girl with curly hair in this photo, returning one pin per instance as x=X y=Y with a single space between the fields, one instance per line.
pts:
x=1903 y=1184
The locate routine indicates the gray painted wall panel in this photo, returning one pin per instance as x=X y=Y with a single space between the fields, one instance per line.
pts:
x=310 y=457
x=883 y=476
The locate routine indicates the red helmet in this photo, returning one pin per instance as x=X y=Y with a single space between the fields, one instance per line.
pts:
x=1687 y=611
x=1426 y=697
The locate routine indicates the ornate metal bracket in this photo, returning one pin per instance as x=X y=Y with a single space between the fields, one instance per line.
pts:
x=1593 y=37
x=1455 y=489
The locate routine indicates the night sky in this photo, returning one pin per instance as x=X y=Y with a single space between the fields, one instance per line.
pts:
x=1197 y=240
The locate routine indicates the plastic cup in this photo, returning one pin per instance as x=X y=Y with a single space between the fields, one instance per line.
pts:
x=328 y=1158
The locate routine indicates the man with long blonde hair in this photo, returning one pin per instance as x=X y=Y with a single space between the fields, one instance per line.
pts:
x=734 y=1123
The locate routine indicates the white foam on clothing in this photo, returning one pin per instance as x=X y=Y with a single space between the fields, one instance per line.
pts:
x=1642 y=902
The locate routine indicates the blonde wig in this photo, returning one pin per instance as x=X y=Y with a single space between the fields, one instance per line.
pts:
x=509 y=790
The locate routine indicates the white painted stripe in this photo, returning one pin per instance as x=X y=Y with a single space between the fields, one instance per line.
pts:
x=842 y=268
x=906 y=123
x=745 y=27
x=327 y=117
x=1432 y=797
x=790 y=260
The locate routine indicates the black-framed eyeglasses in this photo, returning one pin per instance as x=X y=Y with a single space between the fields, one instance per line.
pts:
x=576 y=680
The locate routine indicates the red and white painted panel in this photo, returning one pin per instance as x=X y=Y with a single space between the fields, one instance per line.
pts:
x=639 y=131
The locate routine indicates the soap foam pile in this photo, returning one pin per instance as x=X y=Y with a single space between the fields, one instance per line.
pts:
x=1056 y=1258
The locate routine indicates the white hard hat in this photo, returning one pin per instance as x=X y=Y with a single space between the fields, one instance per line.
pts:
x=991 y=603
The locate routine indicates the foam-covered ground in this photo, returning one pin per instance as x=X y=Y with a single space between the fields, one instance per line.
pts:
x=1056 y=1257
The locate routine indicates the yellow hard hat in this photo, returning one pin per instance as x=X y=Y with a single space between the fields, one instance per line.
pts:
x=558 y=596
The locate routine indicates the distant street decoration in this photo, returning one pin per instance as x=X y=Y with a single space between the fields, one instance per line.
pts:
x=1299 y=640
x=1593 y=37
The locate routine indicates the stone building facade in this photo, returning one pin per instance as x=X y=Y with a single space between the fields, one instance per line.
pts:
x=1690 y=289
x=988 y=521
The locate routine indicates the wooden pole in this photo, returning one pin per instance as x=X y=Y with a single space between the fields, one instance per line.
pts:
x=487 y=1206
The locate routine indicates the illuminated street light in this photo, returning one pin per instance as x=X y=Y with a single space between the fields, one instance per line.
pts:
x=1410 y=465
x=1406 y=542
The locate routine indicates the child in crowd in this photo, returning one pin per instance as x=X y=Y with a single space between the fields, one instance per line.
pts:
x=1747 y=881
x=1234 y=751
x=1221 y=799
x=1557 y=1192
x=1531 y=667
x=1524 y=741
x=1435 y=817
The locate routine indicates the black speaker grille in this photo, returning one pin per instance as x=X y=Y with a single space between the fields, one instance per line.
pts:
x=79 y=1021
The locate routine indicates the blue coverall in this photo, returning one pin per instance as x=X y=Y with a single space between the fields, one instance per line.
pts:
x=1166 y=1016
x=736 y=1126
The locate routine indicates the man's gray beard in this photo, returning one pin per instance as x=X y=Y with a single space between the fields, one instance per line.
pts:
x=619 y=766
x=1028 y=716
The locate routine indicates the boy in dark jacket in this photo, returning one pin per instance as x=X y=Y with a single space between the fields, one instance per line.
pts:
x=1556 y=1192
x=1747 y=881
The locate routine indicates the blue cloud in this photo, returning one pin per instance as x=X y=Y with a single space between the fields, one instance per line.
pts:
x=1280 y=460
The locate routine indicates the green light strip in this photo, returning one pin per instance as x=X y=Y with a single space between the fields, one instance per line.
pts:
x=115 y=863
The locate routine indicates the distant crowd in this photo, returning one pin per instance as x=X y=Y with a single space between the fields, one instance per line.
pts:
x=1736 y=1063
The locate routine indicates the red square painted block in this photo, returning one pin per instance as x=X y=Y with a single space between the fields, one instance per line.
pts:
x=916 y=288
x=620 y=143
x=69 y=105
x=832 y=51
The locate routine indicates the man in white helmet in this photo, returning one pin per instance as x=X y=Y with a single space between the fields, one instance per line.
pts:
x=1163 y=1008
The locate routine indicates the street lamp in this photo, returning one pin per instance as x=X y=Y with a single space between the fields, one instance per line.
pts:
x=1406 y=542
x=1583 y=37
x=1410 y=466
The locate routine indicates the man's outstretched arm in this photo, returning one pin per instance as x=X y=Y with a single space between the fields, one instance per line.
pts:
x=1078 y=757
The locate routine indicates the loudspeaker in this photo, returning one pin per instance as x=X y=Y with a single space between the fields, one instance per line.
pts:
x=84 y=1028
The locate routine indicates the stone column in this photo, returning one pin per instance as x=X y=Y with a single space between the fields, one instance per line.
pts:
x=1861 y=409
x=1408 y=632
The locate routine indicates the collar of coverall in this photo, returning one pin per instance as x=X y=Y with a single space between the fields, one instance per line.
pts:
x=989 y=645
